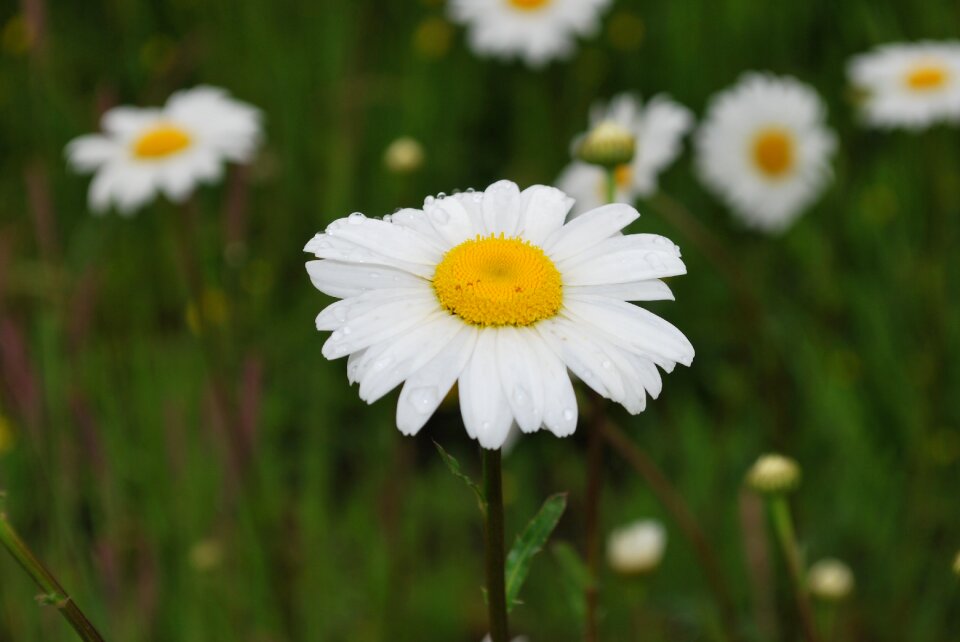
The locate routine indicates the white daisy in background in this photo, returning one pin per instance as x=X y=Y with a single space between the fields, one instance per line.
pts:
x=143 y=151
x=765 y=148
x=659 y=128
x=536 y=31
x=909 y=85
x=492 y=290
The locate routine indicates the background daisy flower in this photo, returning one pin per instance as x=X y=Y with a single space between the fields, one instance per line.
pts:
x=143 y=151
x=493 y=291
x=764 y=148
x=909 y=85
x=659 y=127
x=536 y=31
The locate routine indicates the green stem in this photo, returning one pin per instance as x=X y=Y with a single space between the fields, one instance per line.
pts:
x=611 y=185
x=592 y=519
x=786 y=535
x=493 y=543
x=53 y=593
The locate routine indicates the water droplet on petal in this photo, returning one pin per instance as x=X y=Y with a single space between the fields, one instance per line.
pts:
x=606 y=364
x=428 y=201
x=568 y=414
x=356 y=218
x=345 y=330
x=423 y=399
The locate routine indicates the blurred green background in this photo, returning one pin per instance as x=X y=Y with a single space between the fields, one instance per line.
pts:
x=304 y=514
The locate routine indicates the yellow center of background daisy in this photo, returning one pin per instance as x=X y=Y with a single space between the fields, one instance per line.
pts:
x=528 y=5
x=774 y=151
x=497 y=281
x=161 y=141
x=926 y=77
x=623 y=175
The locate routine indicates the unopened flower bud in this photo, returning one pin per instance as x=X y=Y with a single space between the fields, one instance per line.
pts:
x=637 y=548
x=404 y=156
x=608 y=144
x=830 y=580
x=774 y=474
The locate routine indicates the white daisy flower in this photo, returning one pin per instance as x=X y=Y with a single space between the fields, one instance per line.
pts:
x=659 y=128
x=492 y=290
x=765 y=148
x=537 y=31
x=909 y=85
x=170 y=149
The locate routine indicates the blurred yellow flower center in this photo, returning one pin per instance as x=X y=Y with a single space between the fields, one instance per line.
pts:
x=623 y=176
x=926 y=77
x=529 y=5
x=774 y=151
x=497 y=281
x=161 y=141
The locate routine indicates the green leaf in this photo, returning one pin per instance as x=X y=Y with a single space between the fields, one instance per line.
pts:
x=529 y=543
x=575 y=578
x=454 y=467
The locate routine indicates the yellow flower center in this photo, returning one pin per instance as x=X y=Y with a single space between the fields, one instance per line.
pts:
x=528 y=5
x=927 y=77
x=623 y=176
x=497 y=281
x=774 y=150
x=161 y=141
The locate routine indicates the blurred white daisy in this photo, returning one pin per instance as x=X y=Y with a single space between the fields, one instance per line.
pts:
x=143 y=151
x=637 y=547
x=658 y=128
x=536 y=31
x=765 y=148
x=909 y=85
x=492 y=290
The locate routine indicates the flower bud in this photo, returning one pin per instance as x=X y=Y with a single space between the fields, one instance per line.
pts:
x=608 y=145
x=830 y=580
x=404 y=156
x=637 y=548
x=774 y=474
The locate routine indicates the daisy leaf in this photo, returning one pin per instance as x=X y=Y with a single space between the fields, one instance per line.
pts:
x=454 y=466
x=529 y=543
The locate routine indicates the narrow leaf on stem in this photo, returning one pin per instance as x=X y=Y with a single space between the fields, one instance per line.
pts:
x=530 y=542
x=454 y=466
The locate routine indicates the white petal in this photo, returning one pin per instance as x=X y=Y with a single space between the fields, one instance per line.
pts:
x=451 y=220
x=137 y=187
x=127 y=121
x=559 y=399
x=544 y=211
x=583 y=356
x=386 y=365
x=520 y=375
x=483 y=405
x=652 y=290
x=639 y=329
x=426 y=388
x=379 y=324
x=342 y=280
x=386 y=239
x=585 y=231
x=324 y=246
x=501 y=208
x=635 y=257
x=87 y=153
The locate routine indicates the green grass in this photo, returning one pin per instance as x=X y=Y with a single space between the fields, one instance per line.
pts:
x=339 y=528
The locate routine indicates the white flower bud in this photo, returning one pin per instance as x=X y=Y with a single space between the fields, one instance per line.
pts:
x=774 y=474
x=404 y=156
x=830 y=580
x=637 y=548
x=608 y=144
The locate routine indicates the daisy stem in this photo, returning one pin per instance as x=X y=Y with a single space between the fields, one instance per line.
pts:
x=53 y=593
x=592 y=520
x=611 y=185
x=786 y=535
x=493 y=543
x=674 y=503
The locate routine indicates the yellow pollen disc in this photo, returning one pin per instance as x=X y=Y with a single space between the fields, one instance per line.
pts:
x=161 y=141
x=497 y=281
x=774 y=150
x=528 y=5
x=927 y=77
